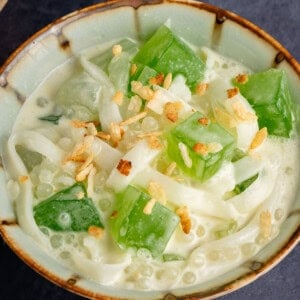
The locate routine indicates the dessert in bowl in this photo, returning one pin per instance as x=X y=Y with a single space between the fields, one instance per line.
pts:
x=148 y=165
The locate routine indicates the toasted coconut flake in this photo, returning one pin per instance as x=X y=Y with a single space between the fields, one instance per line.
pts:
x=232 y=92
x=259 y=138
x=78 y=124
x=115 y=133
x=185 y=220
x=241 y=112
x=103 y=135
x=117 y=50
x=23 y=178
x=185 y=155
x=135 y=103
x=200 y=148
x=134 y=119
x=145 y=92
x=118 y=98
x=148 y=134
x=167 y=81
x=156 y=191
x=153 y=142
x=86 y=163
x=124 y=167
x=91 y=129
x=82 y=175
x=149 y=206
x=203 y=121
x=265 y=223
x=95 y=231
x=171 y=168
x=133 y=69
x=171 y=110
x=80 y=148
x=201 y=88
x=242 y=78
x=157 y=80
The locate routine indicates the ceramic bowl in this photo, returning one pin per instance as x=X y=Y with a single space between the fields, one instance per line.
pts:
x=199 y=23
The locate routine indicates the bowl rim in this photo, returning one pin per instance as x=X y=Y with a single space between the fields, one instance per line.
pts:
x=221 y=16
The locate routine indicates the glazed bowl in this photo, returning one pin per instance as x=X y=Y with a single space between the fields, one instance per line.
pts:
x=225 y=32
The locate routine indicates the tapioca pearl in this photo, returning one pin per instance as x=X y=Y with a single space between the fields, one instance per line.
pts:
x=214 y=255
x=260 y=240
x=69 y=238
x=197 y=258
x=189 y=277
x=149 y=124
x=144 y=254
x=48 y=165
x=146 y=270
x=44 y=190
x=65 y=254
x=167 y=274
x=64 y=219
x=279 y=214
x=200 y=231
x=46 y=176
x=99 y=180
x=248 y=249
x=63 y=180
x=13 y=189
x=65 y=143
x=56 y=241
x=231 y=253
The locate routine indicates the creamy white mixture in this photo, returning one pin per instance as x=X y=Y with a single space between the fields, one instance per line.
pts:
x=205 y=256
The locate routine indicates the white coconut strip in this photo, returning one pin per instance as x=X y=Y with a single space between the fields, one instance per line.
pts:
x=105 y=156
x=108 y=109
x=246 y=167
x=245 y=129
x=179 y=89
x=140 y=157
x=38 y=143
x=259 y=190
x=195 y=199
x=223 y=181
x=102 y=272
x=163 y=96
x=95 y=72
x=15 y=168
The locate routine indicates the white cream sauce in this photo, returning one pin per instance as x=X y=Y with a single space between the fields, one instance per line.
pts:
x=205 y=256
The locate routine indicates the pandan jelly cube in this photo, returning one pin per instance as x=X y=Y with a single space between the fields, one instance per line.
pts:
x=166 y=53
x=67 y=210
x=132 y=228
x=217 y=143
x=269 y=96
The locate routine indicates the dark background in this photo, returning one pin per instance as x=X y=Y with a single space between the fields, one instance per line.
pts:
x=21 y=18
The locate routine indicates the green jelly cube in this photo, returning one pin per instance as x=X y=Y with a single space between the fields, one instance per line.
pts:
x=166 y=53
x=143 y=74
x=65 y=212
x=132 y=228
x=191 y=132
x=269 y=96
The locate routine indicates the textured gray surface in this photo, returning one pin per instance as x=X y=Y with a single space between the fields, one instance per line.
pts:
x=20 y=19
